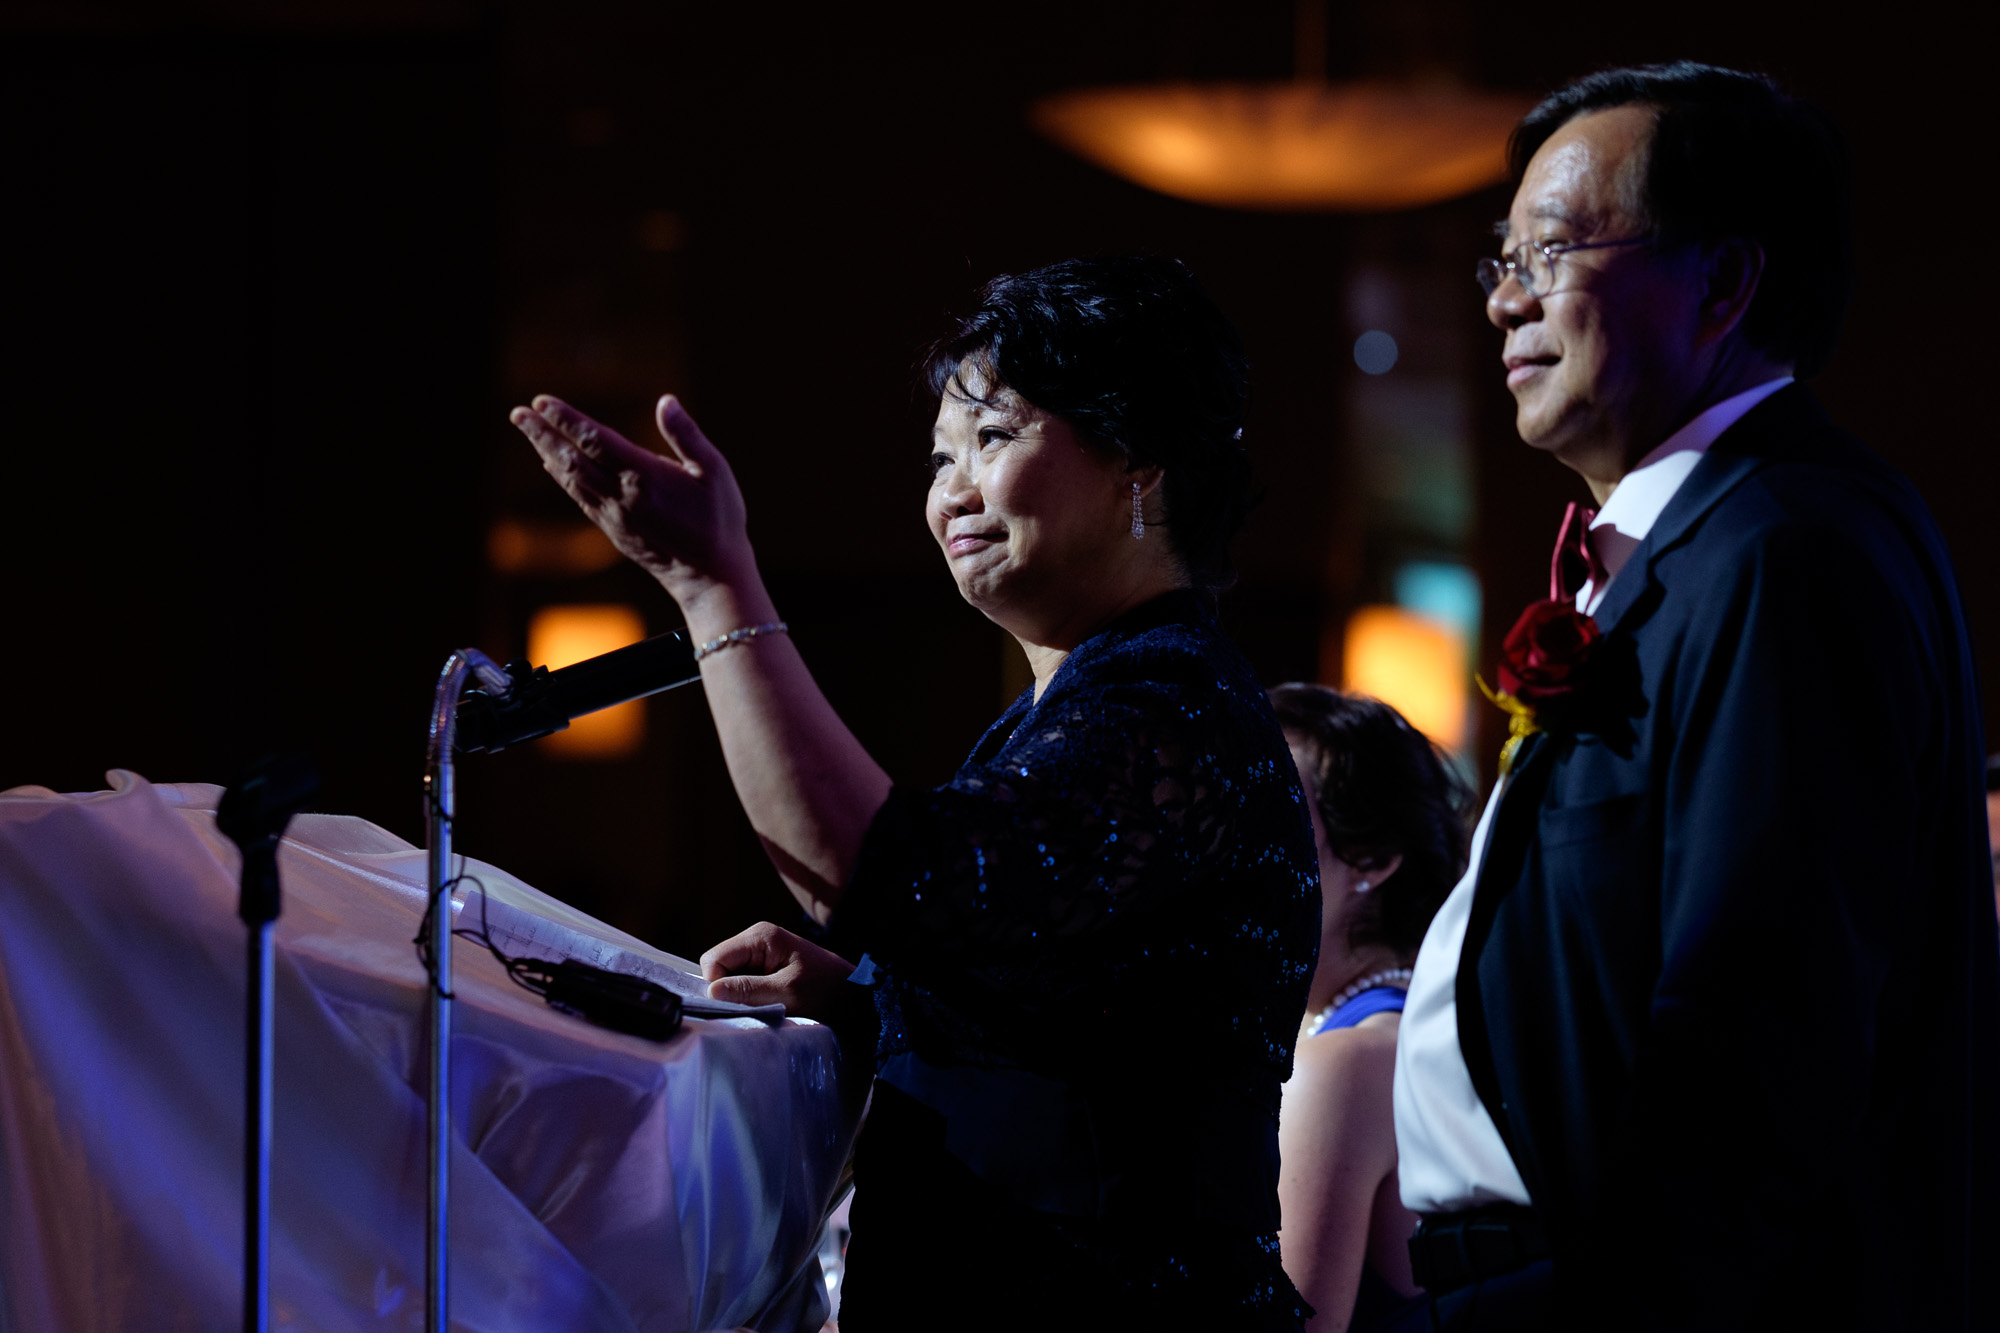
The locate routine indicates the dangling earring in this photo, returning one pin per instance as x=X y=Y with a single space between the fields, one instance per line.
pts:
x=1138 y=515
x=1363 y=886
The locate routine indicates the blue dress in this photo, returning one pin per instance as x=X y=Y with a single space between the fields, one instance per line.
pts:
x=1089 y=952
x=1373 y=1001
x=1377 y=1304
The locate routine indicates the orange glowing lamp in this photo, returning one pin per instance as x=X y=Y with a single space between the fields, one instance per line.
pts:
x=560 y=636
x=1413 y=663
x=1307 y=145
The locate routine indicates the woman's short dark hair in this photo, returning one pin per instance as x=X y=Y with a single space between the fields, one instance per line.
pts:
x=1382 y=789
x=1734 y=157
x=1131 y=352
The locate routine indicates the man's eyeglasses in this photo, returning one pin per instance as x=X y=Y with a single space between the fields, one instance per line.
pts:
x=1534 y=266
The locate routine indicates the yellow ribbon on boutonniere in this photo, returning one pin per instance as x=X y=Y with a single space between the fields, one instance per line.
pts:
x=1521 y=722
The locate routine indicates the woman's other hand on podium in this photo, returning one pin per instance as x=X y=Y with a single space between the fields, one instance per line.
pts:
x=678 y=515
x=767 y=964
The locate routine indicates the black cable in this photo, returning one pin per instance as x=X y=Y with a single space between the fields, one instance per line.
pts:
x=531 y=974
x=431 y=896
x=517 y=968
x=609 y=999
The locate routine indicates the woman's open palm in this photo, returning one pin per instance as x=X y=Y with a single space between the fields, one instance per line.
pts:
x=678 y=515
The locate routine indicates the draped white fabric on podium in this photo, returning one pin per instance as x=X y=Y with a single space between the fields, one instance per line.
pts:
x=600 y=1181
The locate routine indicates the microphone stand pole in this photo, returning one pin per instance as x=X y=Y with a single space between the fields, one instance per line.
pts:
x=441 y=805
x=253 y=815
x=260 y=1050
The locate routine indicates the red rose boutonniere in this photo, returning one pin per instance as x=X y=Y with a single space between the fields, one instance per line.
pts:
x=1547 y=665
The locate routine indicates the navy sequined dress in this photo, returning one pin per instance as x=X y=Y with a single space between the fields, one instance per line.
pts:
x=1089 y=953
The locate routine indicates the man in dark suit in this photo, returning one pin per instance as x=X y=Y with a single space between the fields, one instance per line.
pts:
x=1709 y=1037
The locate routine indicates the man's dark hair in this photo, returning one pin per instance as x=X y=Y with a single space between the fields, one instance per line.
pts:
x=1131 y=352
x=1381 y=788
x=1734 y=157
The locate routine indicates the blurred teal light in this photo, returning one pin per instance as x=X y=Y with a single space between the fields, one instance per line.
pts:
x=1443 y=591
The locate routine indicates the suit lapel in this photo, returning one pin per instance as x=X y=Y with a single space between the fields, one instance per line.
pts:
x=1498 y=867
x=1714 y=477
x=1736 y=454
x=1514 y=824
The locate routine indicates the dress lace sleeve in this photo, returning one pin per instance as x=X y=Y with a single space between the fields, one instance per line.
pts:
x=1108 y=800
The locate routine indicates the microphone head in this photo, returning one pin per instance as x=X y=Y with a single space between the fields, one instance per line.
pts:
x=260 y=803
x=491 y=720
x=540 y=701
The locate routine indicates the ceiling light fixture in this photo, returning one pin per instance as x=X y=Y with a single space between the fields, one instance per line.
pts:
x=1303 y=146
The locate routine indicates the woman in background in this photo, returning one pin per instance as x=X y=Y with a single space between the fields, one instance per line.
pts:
x=1387 y=818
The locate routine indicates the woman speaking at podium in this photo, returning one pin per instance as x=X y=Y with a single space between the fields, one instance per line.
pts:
x=1085 y=957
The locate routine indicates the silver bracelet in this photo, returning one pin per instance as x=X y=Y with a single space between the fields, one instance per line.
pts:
x=736 y=636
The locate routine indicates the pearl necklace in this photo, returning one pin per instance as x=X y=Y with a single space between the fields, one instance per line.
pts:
x=1386 y=976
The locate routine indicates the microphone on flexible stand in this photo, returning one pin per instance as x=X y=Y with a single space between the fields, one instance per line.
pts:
x=508 y=707
x=536 y=701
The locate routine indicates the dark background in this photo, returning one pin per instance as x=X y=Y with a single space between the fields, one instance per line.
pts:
x=274 y=274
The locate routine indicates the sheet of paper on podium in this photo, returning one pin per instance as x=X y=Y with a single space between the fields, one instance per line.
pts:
x=522 y=933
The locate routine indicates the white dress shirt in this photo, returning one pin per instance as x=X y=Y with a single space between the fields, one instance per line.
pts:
x=1450 y=1155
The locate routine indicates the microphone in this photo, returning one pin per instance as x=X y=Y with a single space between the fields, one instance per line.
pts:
x=540 y=701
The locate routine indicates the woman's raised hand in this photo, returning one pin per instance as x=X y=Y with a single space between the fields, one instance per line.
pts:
x=809 y=788
x=678 y=515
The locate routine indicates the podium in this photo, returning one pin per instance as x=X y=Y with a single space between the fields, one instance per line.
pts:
x=599 y=1181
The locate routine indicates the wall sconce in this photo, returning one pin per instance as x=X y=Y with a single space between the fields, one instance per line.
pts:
x=560 y=636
